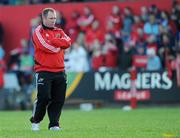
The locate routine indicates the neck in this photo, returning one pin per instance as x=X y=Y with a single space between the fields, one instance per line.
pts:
x=46 y=27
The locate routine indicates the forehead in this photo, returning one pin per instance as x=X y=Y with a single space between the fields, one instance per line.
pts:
x=51 y=14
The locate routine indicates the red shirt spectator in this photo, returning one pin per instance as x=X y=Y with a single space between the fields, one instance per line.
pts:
x=152 y=43
x=86 y=20
x=92 y=34
x=73 y=29
x=97 y=56
x=114 y=22
x=137 y=37
x=138 y=24
x=110 y=52
x=115 y=18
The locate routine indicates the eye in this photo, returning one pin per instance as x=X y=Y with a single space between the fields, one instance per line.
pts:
x=52 y=18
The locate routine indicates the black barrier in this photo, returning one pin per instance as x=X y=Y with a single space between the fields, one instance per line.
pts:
x=114 y=86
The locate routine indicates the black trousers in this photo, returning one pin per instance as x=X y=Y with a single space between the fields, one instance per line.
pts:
x=51 y=89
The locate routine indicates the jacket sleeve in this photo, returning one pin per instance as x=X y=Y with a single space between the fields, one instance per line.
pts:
x=43 y=43
x=63 y=42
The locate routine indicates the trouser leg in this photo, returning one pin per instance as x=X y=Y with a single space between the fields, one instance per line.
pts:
x=43 y=90
x=57 y=99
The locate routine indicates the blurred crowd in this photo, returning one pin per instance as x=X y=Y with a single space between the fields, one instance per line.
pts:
x=149 y=40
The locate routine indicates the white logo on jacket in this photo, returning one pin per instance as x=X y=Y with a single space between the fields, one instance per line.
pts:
x=40 y=81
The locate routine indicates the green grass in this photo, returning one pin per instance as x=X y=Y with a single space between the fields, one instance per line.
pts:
x=100 y=123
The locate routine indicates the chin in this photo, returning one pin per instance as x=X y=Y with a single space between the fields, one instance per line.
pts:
x=51 y=26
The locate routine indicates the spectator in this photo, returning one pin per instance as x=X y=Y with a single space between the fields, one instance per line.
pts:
x=14 y=61
x=127 y=24
x=114 y=22
x=153 y=63
x=97 y=56
x=137 y=23
x=140 y=50
x=166 y=49
x=79 y=54
x=151 y=43
x=81 y=39
x=68 y=62
x=151 y=27
x=93 y=33
x=175 y=14
x=140 y=58
x=125 y=58
x=26 y=60
x=138 y=37
x=110 y=52
x=153 y=9
x=25 y=73
x=144 y=14
x=21 y=62
x=61 y=20
x=33 y=23
x=164 y=18
x=115 y=17
x=73 y=29
x=86 y=20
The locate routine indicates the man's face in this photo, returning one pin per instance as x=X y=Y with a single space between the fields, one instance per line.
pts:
x=50 y=20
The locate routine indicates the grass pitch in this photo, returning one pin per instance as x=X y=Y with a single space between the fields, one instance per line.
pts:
x=100 y=123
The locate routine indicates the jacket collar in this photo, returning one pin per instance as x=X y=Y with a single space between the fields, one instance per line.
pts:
x=45 y=27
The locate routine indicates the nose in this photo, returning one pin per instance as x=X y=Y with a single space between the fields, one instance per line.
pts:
x=53 y=20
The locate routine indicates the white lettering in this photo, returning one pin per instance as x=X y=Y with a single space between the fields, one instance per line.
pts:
x=167 y=82
x=116 y=82
x=146 y=80
x=125 y=81
x=155 y=80
x=102 y=83
x=138 y=81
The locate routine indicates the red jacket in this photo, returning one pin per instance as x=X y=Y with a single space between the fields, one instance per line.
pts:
x=49 y=45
